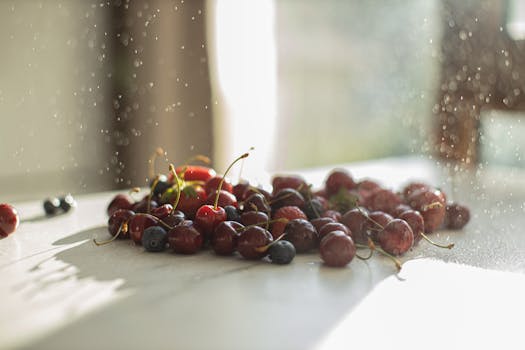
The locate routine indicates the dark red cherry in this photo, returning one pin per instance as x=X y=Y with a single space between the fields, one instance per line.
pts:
x=432 y=205
x=333 y=226
x=320 y=222
x=191 y=199
x=412 y=187
x=9 y=219
x=143 y=207
x=256 y=202
x=185 y=238
x=120 y=201
x=337 y=249
x=173 y=219
x=377 y=220
x=212 y=185
x=383 y=200
x=225 y=198
x=162 y=211
x=396 y=238
x=400 y=209
x=416 y=222
x=252 y=241
x=280 y=182
x=224 y=238
x=457 y=216
x=251 y=190
x=239 y=189
x=302 y=234
x=116 y=220
x=254 y=218
x=357 y=220
x=333 y=214
x=138 y=223
x=287 y=197
x=339 y=179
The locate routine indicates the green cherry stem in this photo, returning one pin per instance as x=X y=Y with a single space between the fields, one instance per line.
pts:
x=177 y=182
x=123 y=228
x=219 y=188
x=448 y=246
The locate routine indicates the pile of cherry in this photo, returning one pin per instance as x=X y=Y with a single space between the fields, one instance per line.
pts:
x=192 y=208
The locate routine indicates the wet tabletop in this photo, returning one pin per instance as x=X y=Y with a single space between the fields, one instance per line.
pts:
x=60 y=291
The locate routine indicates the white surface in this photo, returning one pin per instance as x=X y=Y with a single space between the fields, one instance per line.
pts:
x=60 y=291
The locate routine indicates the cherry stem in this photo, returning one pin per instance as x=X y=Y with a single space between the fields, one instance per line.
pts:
x=177 y=182
x=153 y=185
x=432 y=206
x=371 y=247
x=369 y=218
x=216 y=203
x=264 y=248
x=123 y=228
x=449 y=246
x=158 y=152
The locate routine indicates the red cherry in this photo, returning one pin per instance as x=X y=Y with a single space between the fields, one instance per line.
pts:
x=338 y=179
x=185 y=238
x=208 y=217
x=191 y=201
x=288 y=181
x=9 y=220
x=120 y=201
x=138 y=223
x=212 y=185
x=193 y=173
x=225 y=198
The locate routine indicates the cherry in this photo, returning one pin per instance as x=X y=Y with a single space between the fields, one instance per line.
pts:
x=302 y=234
x=173 y=219
x=457 y=216
x=239 y=189
x=295 y=182
x=367 y=186
x=412 y=187
x=185 y=238
x=224 y=238
x=431 y=204
x=377 y=220
x=337 y=249
x=163 y=211
x=333 y=226
x=314 y=208
x=9 y=219
x=257 y=202
x=208 y=216
x=320 y=222
x=144 y=205
x=252 y=242
x=255 y=218
x=416 y=222
x=339 y=179
x=289 y=213
x=116 y=220
x=287 y=197
x=212 y=185
x=191 y=199
x=396 y=237
x=383 y=200
x=225 y=199
x=334 y=214
x=357 y=220
x=120 y=201
x=400 y=209
x=251 y=190
x=138 y=223
x=194 y=173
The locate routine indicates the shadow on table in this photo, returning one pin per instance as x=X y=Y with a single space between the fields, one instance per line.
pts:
x=201 y=301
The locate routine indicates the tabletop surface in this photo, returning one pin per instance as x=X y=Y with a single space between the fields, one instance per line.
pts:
x=60 y=291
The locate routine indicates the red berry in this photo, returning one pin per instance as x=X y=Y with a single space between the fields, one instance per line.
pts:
x=120 y=201
x=337 y=249
x=288 y=181
x=208 y=217
x=383 y=200
x=333 y=226
x=288 y=213
x=185 y=238
x=339 y=179
x=396 y=238
x=212 y=185
x=251 y=241
x=193 y=173
x=138 y=223
x=9 y=220
x=432 y=205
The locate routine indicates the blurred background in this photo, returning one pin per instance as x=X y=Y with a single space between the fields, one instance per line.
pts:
x=89 y=89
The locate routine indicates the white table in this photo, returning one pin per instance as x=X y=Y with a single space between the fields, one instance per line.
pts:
x=60 y=291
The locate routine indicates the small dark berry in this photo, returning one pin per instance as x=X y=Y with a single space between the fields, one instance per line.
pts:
x=51 y=206
x=154 y=239
x=281 y=252
x=67 y=202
